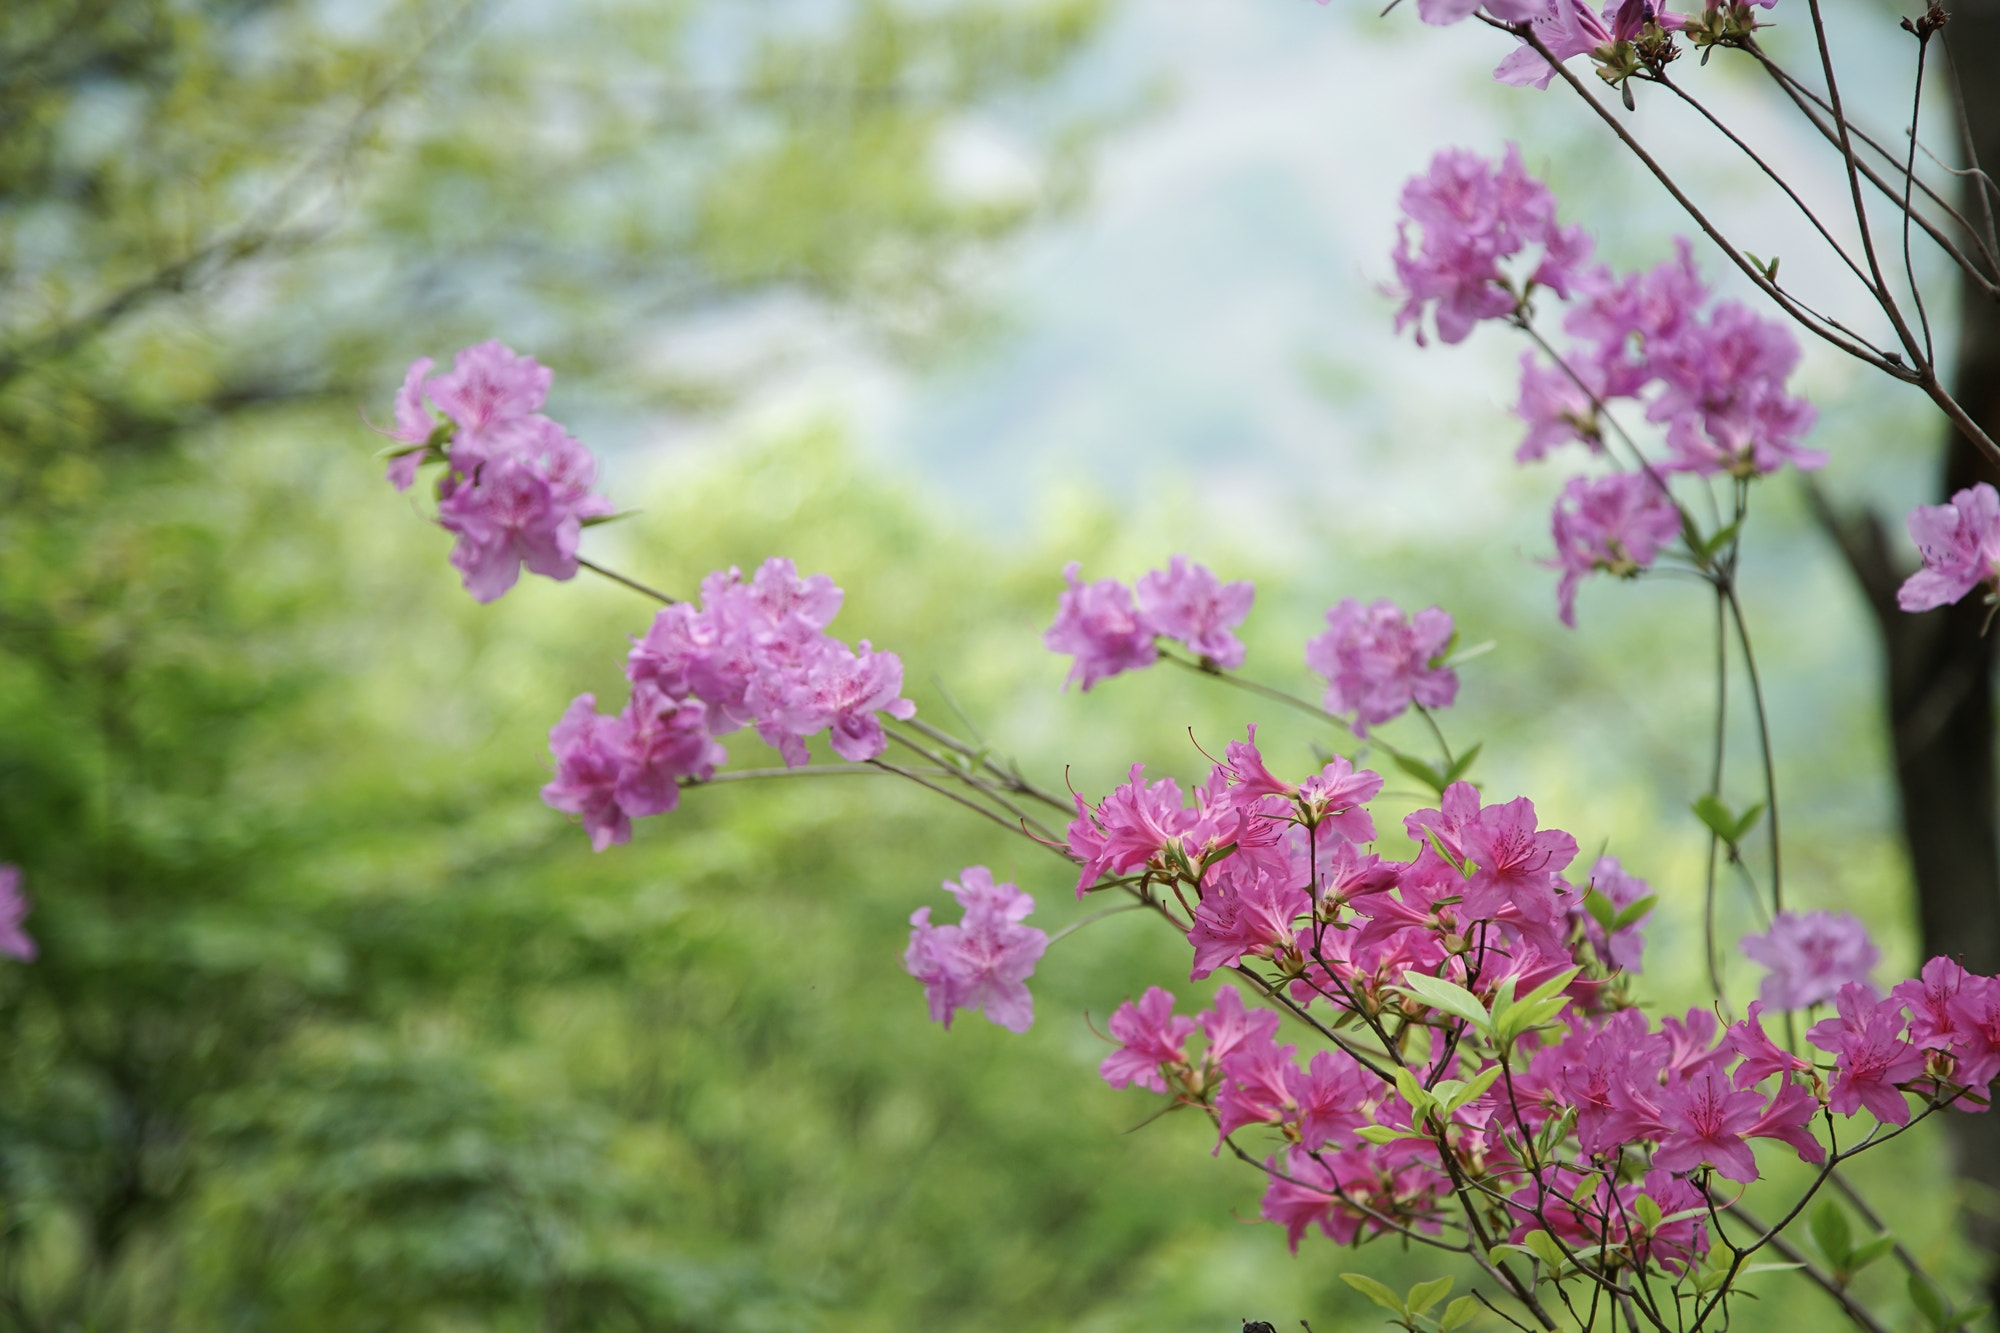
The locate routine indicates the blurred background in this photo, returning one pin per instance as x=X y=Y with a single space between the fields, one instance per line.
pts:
x=336 y=1026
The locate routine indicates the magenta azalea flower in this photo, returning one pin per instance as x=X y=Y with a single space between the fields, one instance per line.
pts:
x=1812 y=956
x=1097 y=624
x=1617 y=524
x=1871 y=1056
x=1377 y=661
x=1186 y=602
x=1150 y=1035
x=984 y=961
x=1960 y=544
x=1474 y=213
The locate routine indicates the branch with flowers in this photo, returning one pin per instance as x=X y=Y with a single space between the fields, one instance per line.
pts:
x=1468 y=1068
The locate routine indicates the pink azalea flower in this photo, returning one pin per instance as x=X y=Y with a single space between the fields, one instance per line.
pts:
x=1788 y=1119
x=522 y=507
x=1457 y=811
x=413 y=424
x=1812 y=956
x=1331 y=1094
x=665 y=741
x=1256 y=1087
x=842 y=691
x=1706 y=1120
x=1627 y=317
x=982 y=963
x=1127 y=828
x=1761 y=1057
x=1229 y=1025
x=1960 y=544
x=1377 y=661
x=1473 y=214
x=1556 y=409
x=1517 y=865
x=1617 y=524
x=1097 y=624
x=1337 y=796
x=1623 y=949
x=1150 y=1035
x=1871 y=1057
x=1725 y=401
x=15 y=941
x=490 y=393
x=1186 y=602
x=1975 y=1021
x=1245 y=915
x=1928 y=997
x=591 y=751
x=1567 y=28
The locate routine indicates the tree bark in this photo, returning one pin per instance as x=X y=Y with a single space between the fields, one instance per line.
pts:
x=1939 y=665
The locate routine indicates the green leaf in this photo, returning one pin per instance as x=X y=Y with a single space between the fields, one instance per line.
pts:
x=1463 y=764
x=1748 y=1269
x=1426 y=1294
x=1716 y=815
x=1440 y=994
x=1713 y=545
x=1831 y=1233
x=1376 y=1292
x=1458 y=1314
x=1635 y=913
x=1648 y=1211
x=1929 y=1304
x=1747 y=822
x=1421 y=771
x=1602 y=910
x=1413 y=1093
x=1470 y=1090
x=1865 y=1255
x=1543 y=1246
x=1380 y=1134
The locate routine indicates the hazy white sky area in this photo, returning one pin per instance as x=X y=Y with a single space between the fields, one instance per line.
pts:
x=1210 y=320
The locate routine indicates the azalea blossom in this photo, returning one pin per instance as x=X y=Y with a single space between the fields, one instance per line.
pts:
x=984 y=961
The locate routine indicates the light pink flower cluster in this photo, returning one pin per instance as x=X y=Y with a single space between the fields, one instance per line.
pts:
x=1378 y=661
x=1474 y=214
x=1108 y=631
x=1714 y=379
x=1960 y=544
x=516 y=486
x=756 y=653
x=1481 y=940
x=1617 y=524
x=985 y=960
x=15 y=941
x=1812 y=957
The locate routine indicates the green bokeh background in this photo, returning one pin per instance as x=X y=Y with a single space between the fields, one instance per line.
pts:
x=336 y=1026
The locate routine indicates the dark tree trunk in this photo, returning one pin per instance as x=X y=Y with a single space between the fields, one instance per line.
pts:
x=1939 y=665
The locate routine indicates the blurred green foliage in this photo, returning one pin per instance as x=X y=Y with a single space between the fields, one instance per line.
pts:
x=336 y=1026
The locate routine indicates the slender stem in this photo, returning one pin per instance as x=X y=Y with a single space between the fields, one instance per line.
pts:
x=1081 y=922
x=1909 y=178
x=1764 y=746
x=1805 y=99
x=1882 y=293
x=1819 y=1277
x=969 y=804
x=1436 y=732
x=983 y=788
x=1785 y=300
x=1984 y=187
x=1263 y=691
x=1715 y=790
x=1010 y=777
x=805 y=771
x=1765 y=167
x=631 y=583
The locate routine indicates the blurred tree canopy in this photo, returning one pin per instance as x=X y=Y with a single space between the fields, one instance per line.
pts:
x=333 y=1026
